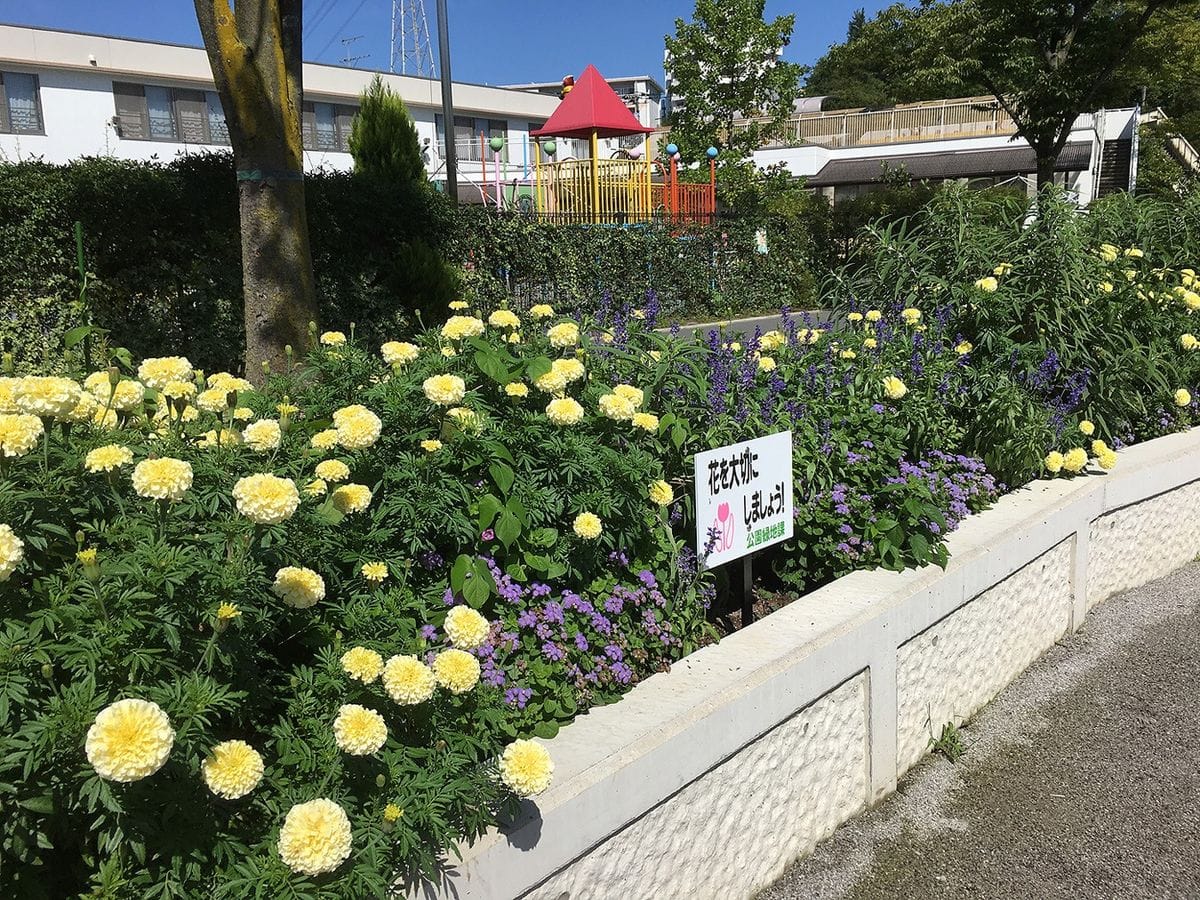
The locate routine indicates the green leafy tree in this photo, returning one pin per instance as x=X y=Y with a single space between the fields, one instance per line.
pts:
x=726 y=66
x=1047 y=62
x=383 y=139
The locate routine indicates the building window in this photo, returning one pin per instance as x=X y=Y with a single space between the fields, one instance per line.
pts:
x=147 y=112
x=326 y=126
x=469 y=136
x=20 y=105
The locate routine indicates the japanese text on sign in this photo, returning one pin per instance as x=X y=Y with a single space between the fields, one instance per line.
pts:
x=743 y=498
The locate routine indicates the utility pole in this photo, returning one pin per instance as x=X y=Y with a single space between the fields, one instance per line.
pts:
x=447 y=102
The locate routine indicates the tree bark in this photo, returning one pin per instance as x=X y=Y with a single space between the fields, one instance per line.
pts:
x=255 y=53
x=1045 y=170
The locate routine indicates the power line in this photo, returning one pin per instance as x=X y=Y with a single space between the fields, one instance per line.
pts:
x=340 y=29
x=318 y=16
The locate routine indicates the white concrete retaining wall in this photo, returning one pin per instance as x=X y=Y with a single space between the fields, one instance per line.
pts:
x=708 y=780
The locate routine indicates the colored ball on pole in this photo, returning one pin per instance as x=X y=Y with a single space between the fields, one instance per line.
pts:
x=497 y=144
x=672 y=150
x=550 y=147
x=711 y=152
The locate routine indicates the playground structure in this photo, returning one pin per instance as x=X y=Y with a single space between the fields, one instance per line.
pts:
x=630 y=188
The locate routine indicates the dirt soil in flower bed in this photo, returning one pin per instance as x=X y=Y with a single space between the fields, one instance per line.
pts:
x=766 y=601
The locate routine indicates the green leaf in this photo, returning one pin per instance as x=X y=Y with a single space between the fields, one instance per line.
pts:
x=478 y=587
x=543 y=537
x=492 y=366
x=489 y=506
x=458 y=572
x=77 y=334
x=502 y=475
x=508 y=528
x=538 y=562
x=545 y=730
x=920 y=547
x=537 y=367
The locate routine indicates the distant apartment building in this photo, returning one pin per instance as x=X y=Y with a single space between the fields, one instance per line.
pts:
x=64 y=95
x=972 y=141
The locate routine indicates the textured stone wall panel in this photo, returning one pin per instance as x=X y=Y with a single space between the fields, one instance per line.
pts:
x=1143 y=541
x=736 y=828
x=951 y=670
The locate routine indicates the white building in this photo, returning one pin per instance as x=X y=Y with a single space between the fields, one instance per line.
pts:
x=972 y=140
x=64 y=95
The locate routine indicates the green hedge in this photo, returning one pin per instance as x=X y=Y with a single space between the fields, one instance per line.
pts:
x=162 y=246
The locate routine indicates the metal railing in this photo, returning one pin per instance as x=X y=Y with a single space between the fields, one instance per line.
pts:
x=931 y=121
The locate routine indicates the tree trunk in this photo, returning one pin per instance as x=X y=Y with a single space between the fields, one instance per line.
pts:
x=278 y=286
x=1045 y=170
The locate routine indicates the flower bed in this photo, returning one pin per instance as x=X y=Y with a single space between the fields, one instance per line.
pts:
x=297 y=637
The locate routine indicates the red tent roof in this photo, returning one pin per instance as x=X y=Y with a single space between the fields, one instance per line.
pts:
x=592 y=105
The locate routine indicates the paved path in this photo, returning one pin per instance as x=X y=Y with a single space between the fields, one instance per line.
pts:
x=1082 y=779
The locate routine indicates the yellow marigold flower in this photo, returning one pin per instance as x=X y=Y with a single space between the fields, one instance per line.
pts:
x=847 y=354
x=1192 y=299
x=459 y=304
x=374 y=571
x=392 y=813
x=84 y=410
x=1183 y=397
x=362 y=664
x=12 y=551
x=459 y=327
x=359 y=731
x=157 y=371
x=8 y=387
x=588 y=526
x=766 y=364
x=357 y=427
x=466 y=628
x=431 y=446
x=351 y=498
x=1134 y=252
x=449 y=351
x=541 y=311
x=660 y=492
x=266 y=499
x=634 y=395
x=407 y=680
x=243 y=414
x=517 y=389
x=465 y=419
x=232 y=769
x=564 y=411
x=1053 y=462
x=1130 y=274
x=1087 y=427
x=130 y=740
x=228 y=611
x=107 y=458
x=854 y=317
x=456 y=670
x=1098 y=447
x=1075 y=459
x=963 y=348
x=226 y=438
x=316 y=488
x=315 y=837
x=399 y=353
x=735 y=346
x=645 y=421
x=870 y=343
x=526 y=768
x=1108 y=252
x=445 y=390
x=263 y=435
x=988 y=284
x=1107 y=459
x=564 y=334
x=325 y=440
x=1003 y=269
x=47 y=396
x=229 y=383
x=552 y=382
x=179 y=390
x=911 y=316
x=332 y=470
x=298 y=587
x=213 y=400
x=614 y=407
x=874 y=315
x=571 y=369
x=894 y=388
x=1106 y=287
x=1189 y=342
x=286 y=409
x=87 y=557
x=772 y=341
x=333 y=338
x=504 y=318
x=162 y=479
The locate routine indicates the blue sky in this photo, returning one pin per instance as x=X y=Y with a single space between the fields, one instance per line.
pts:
x=492 y=41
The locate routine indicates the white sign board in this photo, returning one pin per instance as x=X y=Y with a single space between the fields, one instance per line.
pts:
x=743 y=498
